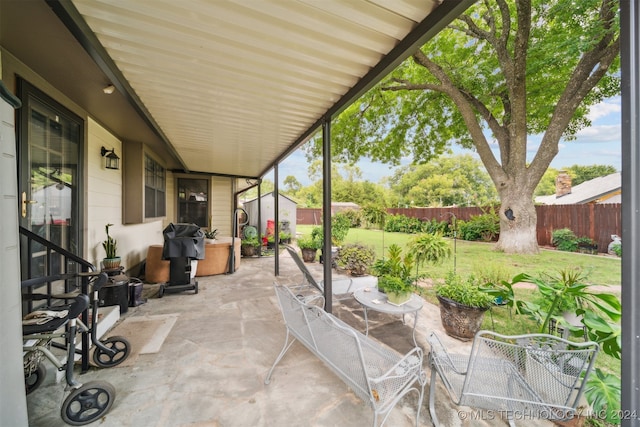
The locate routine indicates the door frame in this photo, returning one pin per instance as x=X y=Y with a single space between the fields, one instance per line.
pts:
x=25 y=91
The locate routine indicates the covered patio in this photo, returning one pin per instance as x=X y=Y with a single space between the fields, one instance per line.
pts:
x=231 y=112
x=210 y=370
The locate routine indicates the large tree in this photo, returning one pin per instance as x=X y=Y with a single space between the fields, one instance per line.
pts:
x=504 y=70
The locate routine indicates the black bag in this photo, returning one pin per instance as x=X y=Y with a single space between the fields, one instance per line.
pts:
x=135 y=292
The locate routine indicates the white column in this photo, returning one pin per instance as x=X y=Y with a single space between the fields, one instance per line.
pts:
x=13 y=402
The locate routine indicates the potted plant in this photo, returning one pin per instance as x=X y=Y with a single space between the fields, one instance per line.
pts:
x=111 y=260
x=398 y=290
x=309 y=247
x=355 y=258
x=285 y=237
x=250 y=246
x=394 y=275
x=210 y=235
x=271 y=241
x=462 y=305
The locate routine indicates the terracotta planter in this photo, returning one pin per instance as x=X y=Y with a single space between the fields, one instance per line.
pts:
x=460 y=321
x=308 y=254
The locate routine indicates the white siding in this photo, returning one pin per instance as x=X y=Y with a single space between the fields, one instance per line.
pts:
x=104 y=206
x=221 y=203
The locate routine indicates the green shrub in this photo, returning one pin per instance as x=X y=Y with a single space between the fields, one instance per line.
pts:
x=564 y=240
x=356 y=258
x=403 y=224
x=355 y=217
x=617 y=249
x=485 y=227
x=586 y=245
x=374 y=216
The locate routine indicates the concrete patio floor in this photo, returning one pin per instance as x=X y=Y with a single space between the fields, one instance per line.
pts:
x=210 y=370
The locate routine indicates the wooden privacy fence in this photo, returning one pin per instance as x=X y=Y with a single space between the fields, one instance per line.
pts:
x=596 y=221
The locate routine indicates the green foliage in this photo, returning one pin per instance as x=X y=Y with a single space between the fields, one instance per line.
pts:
x=396 y=265
x=284 y=237
x=491 y=272
x=547 y=184
x=355 y=217
x=309 y=242
x=446 y=181
x=583 y=173
x=340 y=225
x=466 y=291
x=485 y=227
x=430 y=248
x=600 y=312
x=251 y=241
x=564 y=239
x=603 y=392
x=356 y=258
x=587 y=245
x=395 y=284
x=454 y=88
x=603 y=270
x=578 y=173
x=110 y=245
x=374 y=215
x=403 y=224
x=617 y=249
x=211 y=234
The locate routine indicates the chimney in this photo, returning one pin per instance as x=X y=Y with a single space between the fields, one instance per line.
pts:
x=563 y=184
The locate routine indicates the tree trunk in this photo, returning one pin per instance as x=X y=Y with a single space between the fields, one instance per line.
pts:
x=518 y=220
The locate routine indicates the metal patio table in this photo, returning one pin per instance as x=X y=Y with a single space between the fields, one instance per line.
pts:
x=372 y=299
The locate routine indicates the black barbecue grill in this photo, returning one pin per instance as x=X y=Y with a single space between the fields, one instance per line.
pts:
x=182 y=244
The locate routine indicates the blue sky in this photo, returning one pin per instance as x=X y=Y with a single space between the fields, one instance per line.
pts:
x=599 y=144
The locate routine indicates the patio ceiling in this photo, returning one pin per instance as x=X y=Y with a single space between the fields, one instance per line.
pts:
x=233 y=87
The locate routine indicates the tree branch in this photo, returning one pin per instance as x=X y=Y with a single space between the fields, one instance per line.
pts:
x=593 y=65
x=468 y=106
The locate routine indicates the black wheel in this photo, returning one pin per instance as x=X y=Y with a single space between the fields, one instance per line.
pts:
x=33 y=381
x=88 y=403
x=161 y=291
x=118 y=344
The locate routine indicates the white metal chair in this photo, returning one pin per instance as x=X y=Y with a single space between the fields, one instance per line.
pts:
x=518 y=377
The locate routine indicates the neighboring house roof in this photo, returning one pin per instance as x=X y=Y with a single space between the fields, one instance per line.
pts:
x=604 y=189
x=270 y=194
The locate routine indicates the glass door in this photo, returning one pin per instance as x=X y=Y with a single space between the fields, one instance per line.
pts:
x=50 y=143
x=192 y=201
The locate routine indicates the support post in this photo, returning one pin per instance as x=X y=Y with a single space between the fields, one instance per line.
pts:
x=630 y=71
x=276 y=218
x=326 y=213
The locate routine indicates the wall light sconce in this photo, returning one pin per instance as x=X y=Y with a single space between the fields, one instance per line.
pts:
x=109 y=89
x=111 y=159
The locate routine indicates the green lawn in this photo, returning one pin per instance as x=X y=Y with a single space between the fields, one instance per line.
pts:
x=481 y=259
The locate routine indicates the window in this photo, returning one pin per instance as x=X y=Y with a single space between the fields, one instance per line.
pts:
x=192 y=201
x=154 y=189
